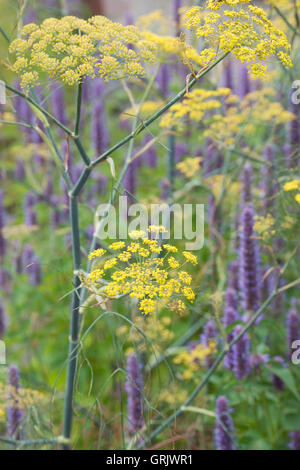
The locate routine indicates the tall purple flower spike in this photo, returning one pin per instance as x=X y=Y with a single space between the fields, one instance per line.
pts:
x=278 y=384
x=247 y=184
x=249 y=262
x=295 y=440
x=14 y=413
x=177 y=5
x=163 y=79
x=228 y=75
x=58 y=103
x=134 y=387
x=292 y=329
x=2 y=225
x=241 y=355
x=2 y=321
x=99 y=130
x=244 y=82
x=208 y=335
x=150 y=156
x=233 y=275
x=269 y=183
x=230 y=316
x=29 y=211
x=224 y=431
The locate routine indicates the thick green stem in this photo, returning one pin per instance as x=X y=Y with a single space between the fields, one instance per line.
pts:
x=74 y=325
x=78 y=112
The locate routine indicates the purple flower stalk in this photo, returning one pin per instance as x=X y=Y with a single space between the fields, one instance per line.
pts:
x=20 y=170
x=208 y=335
x=256 y=360
x=58 y=104
x=249 y=262
x=149 y=156
x=224 y=431
x=29 y=212
x=34 y=271
x=246 y=184
x=163 y=79
x=293 y=329
x=230 y=316
x=269 y=186
x=241 y=354
x=244 y=82
x=100 y=134
x=295 y=440
x=2 y=225
x=134 y=387
x=278 y=384
x=233 y=275
x=14 y=413
x=228 y=75
x=2 y=321
x=177 y=5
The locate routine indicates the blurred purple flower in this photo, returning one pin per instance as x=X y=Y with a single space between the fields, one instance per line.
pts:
x=241 y=354
x=149 y=156
x=292 y=329
x=14 y=413
x=134 y=387
x=2 y=225
x=163 y=79
x=295 y=440
x=29 y=212
x=247 y=184
x=99 y=129
x=224 y=431
x=58 y=104
x=230 y=316
x=277 y=382
x=249 y=262
x=256 y=360
x=209 y=334
x=2 y=321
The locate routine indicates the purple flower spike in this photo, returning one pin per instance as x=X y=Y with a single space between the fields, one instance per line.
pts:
x=233 y=275
x=246 y=184
x=2 y=225
x=100 y=134
x=249 y=262
x=20 y=170
x=278 y=384
x=245 y=84
x=34 y=271
x=293 y=329
x=29 y=212
x=14 y=413
x=163 y=79
x=224 y=431
x=134 y=387
x=241 y=355
x=58 y=104
x=228 y=75
x=2 y=321
x=177 y=5
x=256 y=360
x=208 y=335
x=230 y=316
x=231 y=298
x=150 y=156
x=295 y=440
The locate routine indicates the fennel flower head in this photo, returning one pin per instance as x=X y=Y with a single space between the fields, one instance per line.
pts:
x=145 y=270
x=239 y=27
x=70 y=49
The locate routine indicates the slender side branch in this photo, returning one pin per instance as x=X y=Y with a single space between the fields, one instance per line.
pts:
x=215 y=365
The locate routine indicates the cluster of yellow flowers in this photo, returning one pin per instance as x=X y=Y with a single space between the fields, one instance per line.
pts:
x=264 y=226
x=144 y=270
x=193 y=107
x=246 y=31
x=293 y=185
x=194 y=359
x=189 y=166
x=71 y=48
x=155 y=330
x=24 y=397
x=240 y=118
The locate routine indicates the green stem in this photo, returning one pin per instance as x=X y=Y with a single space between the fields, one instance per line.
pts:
x=78 y=111
x=74 y=324
x=4 y=35
x=40 y=108
x=156 y=115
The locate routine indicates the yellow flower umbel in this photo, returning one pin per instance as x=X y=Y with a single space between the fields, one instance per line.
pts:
x=70 y=49
x=194 y=359
x=237 y=26
x=293 y=185
x=144 y=270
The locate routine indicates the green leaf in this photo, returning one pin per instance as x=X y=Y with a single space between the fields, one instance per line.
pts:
x=286 y=376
